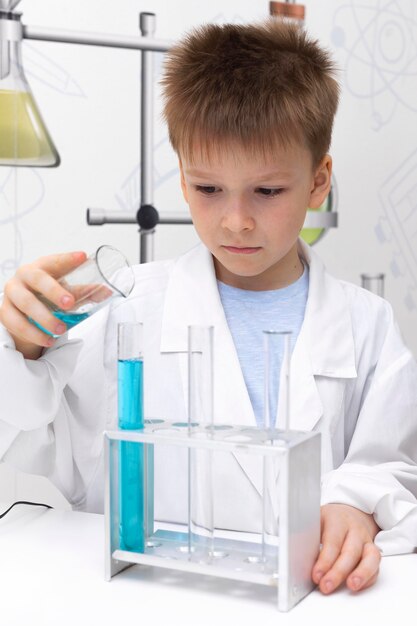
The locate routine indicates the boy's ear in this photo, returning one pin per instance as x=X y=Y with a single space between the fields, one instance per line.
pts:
x=183 y=185
x=321 y=183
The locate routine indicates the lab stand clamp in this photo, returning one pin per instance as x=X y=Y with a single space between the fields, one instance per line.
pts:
x=281 y=546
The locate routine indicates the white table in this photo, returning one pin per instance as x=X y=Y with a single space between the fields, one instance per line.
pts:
x=52 y=573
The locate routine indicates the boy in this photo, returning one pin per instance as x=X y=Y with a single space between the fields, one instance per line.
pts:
x=250 y=112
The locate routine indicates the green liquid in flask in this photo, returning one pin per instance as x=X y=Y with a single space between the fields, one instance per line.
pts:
x=24 y=137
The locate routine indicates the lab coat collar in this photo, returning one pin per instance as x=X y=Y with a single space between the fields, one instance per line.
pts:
x=324 y=346
x=192 y=298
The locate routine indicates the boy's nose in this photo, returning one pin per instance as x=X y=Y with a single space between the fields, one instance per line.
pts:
x=237 y=218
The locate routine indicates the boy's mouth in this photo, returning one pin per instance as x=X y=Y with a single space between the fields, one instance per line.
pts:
x=241 y=249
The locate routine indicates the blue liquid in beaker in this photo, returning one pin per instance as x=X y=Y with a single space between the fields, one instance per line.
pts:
x=131 y=457
x=70 y=319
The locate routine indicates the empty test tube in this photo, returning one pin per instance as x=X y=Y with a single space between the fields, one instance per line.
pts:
x=200 y=466
x=277 y=354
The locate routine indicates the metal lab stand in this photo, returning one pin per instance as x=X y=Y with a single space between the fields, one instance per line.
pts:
x=147 y=216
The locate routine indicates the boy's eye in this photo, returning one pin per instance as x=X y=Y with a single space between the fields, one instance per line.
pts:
x=207 y=189
x=269 y=192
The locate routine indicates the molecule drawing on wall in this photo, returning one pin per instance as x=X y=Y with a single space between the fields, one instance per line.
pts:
x=398 y=225
x=379 y=41
x=14 y=206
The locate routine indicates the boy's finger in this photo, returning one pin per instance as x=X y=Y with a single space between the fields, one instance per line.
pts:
x=23 y=329
x=41 y=283
x=59 y=264
x=331 y=546
x=349 y=557
x=367 y=569
x=370 y=582
x=26 y=302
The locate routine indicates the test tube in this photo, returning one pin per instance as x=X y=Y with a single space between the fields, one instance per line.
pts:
x=277 y=355
x=131 y=454
x=200 y=466
x=374 y=283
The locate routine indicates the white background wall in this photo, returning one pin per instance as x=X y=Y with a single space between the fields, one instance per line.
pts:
x=89 y=98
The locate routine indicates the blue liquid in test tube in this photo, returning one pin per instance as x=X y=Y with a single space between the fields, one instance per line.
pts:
x=131 y=456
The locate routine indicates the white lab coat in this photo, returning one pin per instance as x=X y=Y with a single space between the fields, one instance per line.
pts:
x=352 y=379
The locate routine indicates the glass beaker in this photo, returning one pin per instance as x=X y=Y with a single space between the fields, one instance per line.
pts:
x=25 y=140
x=131 y=454
x=103 y=275
x=374 y=283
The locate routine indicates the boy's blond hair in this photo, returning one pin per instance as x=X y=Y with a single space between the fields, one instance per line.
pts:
x=256 y=86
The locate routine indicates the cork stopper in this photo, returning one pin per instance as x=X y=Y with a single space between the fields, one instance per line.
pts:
x=287 y=9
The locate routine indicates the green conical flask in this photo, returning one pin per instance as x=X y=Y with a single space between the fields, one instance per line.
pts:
x=24 y=138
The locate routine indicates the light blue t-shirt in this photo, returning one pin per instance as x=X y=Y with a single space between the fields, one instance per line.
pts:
x=248 y=313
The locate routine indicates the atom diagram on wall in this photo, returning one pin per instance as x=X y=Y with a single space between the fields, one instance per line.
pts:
x=379 y=40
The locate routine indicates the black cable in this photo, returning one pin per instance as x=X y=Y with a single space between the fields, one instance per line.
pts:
x=24 y=502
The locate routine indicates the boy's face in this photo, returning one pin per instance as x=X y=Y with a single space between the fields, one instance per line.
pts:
x=249 y=212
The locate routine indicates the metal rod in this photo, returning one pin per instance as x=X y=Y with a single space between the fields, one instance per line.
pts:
x=147 y=28
x=98 y=217
x=95 y=39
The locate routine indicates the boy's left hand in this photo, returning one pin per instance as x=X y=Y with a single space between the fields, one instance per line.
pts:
x=348 y=551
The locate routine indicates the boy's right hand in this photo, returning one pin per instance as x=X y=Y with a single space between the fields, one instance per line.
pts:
x=20 y=301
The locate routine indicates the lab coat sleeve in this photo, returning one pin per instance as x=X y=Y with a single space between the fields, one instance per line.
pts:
x=35 y=416
x=379 y=474
x=31 y=390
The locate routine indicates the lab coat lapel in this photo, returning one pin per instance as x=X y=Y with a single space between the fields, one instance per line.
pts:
x=325 y=345
x=306 y=407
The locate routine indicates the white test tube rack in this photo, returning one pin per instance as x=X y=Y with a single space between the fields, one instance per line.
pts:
x=297 y=457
